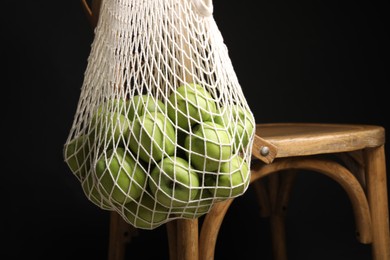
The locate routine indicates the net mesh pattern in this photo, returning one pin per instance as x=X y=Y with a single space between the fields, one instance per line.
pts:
x=162 y=129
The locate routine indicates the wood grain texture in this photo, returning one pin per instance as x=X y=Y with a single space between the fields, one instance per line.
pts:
x=299 y=139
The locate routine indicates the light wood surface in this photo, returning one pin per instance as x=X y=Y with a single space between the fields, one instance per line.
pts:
x=378 y=201
x=299 y=139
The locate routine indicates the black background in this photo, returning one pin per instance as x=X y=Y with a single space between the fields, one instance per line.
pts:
x=309 y=61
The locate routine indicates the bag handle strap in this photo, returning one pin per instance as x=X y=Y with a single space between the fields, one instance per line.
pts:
x=204 y=7
x=92 y=11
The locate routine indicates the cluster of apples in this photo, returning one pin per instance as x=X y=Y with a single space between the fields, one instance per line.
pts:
x=156 y=160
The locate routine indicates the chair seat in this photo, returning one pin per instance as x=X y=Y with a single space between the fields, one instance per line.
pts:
x=301 y=139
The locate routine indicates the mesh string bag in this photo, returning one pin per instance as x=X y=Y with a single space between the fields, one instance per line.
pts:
x=162 y=129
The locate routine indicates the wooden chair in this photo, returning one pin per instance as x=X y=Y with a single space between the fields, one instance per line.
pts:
x=352 y=155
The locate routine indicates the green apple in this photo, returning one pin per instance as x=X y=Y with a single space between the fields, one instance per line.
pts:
x=90 y=190
x=152 y=136
x=110 y=127
x=201 y=204
x=208 y=145
x=119 y=176
x=240 y=123
x=147 y=213
x=232 y=180
x=174 y=182
x=190 y=104
x=180 y=138
x=223 y=116
x=76 y=153
x=245 y=126
x=139 y=104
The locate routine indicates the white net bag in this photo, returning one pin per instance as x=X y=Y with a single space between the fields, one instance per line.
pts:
x=162 y=128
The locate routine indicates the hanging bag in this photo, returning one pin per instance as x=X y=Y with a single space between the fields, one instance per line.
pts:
x=162 y=129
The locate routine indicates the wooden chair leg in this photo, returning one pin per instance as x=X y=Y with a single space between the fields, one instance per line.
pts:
x=355 y=163
x=171 y=227
x=280 y=187
x=378 y=201
x=287 y=180
x=278 y=237
x=121 y=233
x=276 y=220
x=187 y=239
x=262 y=197
x=210 y=229
x=267 y=198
